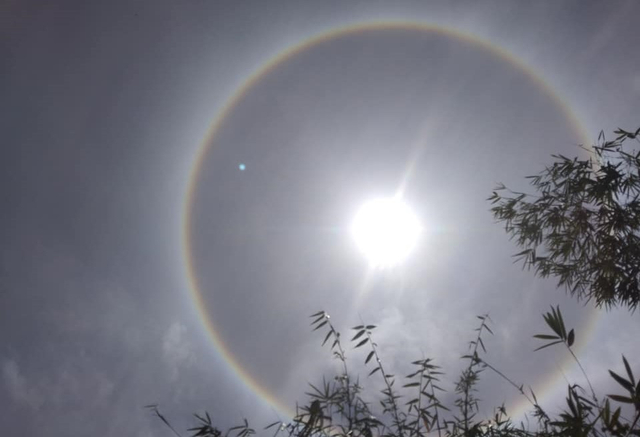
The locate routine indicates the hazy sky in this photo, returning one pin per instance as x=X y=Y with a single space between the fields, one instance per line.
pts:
x=106 y=107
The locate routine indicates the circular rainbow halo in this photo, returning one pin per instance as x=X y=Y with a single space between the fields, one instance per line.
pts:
x=386 y=231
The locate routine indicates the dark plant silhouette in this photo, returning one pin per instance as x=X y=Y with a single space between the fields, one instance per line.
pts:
x=582 y=224
x=338 y=407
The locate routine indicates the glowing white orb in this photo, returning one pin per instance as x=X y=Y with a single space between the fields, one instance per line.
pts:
x=386 y=231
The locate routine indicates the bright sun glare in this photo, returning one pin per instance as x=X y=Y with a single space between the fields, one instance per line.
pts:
x=386 y=231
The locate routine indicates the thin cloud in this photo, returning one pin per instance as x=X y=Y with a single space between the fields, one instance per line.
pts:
x=17 y=385
x=177 y=350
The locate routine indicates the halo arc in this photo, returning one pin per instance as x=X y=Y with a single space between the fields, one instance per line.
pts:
x=205 y=148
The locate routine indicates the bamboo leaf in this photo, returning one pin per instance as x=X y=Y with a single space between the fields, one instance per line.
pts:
x=629 y=372
x=623 y=382
x=320 y=325
x=570 y=338
x=327 y=337
x=358 y=335
x=362 y=343
x=561 y=322
x=371 y=354
x=546 y=337
x=547 y=345
x=272 y=425
x=623 y=399
x=552 y=324
x=616 y=416
x=482 y=344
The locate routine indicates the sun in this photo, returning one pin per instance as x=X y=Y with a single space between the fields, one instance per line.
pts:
x=386 y=231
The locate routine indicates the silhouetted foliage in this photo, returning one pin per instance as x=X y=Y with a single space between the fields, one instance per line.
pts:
x=338 y=406
x=582 y=224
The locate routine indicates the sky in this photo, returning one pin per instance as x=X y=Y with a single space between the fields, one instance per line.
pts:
x=139 y=264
